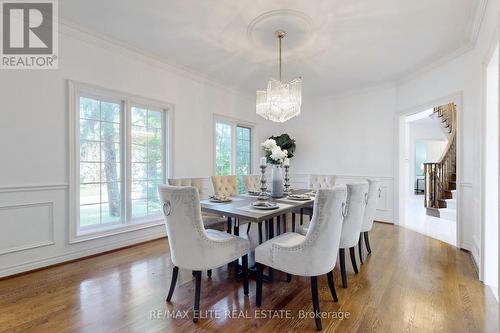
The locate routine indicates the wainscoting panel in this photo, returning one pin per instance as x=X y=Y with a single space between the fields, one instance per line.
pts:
x=34 y=230
x=384 y=209
x=26 y=226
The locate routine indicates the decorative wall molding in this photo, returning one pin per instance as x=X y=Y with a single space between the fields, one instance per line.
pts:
x=50 y=241
x=33 y=188
x=52 y=260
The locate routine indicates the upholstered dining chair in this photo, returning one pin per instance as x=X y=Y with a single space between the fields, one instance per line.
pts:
x=228 y=186
x=252 y=183
x=225 y=185
x=210 y=221
x=321 y=181
x=192 y=246
x=315 y=182
x=374 y=192
x=351 y=228
x=311 y=255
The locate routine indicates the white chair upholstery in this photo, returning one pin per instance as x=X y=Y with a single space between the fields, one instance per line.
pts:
x=371 y=204
x=191 y=246
x=369 y=216
x=212 y=221
x=312 y=254
x=252 y=183
x=353 y=219
x=321 y=181
x=225 y=185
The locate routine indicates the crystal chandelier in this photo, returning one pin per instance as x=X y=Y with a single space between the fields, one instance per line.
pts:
x=281 y=101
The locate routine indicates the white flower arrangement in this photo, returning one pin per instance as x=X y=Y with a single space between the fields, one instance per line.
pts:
x=274 y=153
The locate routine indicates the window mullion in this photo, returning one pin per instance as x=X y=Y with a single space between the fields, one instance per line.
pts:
x=233 y=148
x=127 y=161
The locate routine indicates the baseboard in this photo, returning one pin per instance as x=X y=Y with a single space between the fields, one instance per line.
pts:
x=384 y=222
x=473 y=260
x=8 y=272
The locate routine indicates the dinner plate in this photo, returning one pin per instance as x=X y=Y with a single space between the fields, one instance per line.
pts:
x=265 y=205
x=299 y=197
x=220 y=200
x=253 y=193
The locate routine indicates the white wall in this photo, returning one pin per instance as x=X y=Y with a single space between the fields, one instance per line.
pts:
x=491 y=184
x=350 y=136
x=34 y=141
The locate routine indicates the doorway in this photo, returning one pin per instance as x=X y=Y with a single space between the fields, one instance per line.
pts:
x=427 y=163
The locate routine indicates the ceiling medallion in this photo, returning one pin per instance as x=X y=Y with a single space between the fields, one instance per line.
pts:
x=282 y=100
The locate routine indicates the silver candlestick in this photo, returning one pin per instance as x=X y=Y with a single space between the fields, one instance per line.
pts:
x=287 y=180
x=263 y=185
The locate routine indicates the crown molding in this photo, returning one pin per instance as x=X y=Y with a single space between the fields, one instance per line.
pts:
x=74 y=30
x=442 y=58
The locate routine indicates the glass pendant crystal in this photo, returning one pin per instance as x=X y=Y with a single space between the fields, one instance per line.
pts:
x=282 y=100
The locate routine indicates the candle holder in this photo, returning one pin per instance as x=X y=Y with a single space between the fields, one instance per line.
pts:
x=263 y=185
x=287 y=180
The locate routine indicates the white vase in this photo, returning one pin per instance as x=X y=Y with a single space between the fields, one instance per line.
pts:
x=277 y=181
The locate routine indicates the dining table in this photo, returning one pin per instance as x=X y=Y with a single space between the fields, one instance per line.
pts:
x=240 y=208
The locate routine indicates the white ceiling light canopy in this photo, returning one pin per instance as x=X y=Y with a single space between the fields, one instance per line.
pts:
x=282 y=100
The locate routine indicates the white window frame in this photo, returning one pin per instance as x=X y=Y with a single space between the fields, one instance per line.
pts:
x=234 y=123
x=127 y=101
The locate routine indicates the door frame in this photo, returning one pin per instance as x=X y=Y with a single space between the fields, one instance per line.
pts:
x=494 y=43
x=399 y=135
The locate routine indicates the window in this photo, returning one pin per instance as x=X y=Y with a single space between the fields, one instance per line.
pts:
x=123 y=156
x=100 y=145
x=147 y=161
x=233 y=149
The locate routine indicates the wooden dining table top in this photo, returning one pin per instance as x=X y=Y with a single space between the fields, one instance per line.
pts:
x=240 y=207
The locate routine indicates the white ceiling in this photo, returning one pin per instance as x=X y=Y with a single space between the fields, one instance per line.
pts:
x=335 y=45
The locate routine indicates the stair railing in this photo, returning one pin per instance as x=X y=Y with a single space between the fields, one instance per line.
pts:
x=438 y=175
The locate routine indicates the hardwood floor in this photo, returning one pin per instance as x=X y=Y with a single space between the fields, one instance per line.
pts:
x=410 y=283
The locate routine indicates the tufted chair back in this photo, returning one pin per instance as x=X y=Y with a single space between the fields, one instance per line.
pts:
x=321 y=181
x=355 y=210
x=198 y=183
x=225 y=185
x=252 y=183
x=187 y=237
x=371 y=204
x=317 y=253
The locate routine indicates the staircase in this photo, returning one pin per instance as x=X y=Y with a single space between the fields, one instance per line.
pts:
x=441 y=177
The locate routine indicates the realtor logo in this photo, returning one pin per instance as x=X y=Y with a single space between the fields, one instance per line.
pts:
x=29 y=34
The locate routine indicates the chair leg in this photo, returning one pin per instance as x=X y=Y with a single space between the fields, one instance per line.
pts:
x=288 y=277
x=284 y=223
x=196 y=309
x=244 y=260
x=343 y=272
x=266 y=229
x=248 y=227
x=367 y=242
x=331 y=284
x=360 y=248
x=293 y=222
x=258 y=291
x=278 y=227
x=301 y=216
x=260 y=232
x=315 y=300
x=172 y=283
x=352 y=253
x=209 y=273
x=229 y=223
